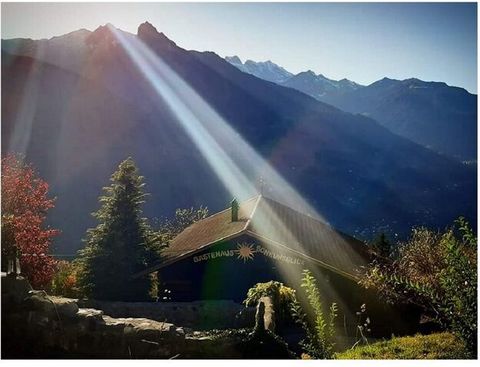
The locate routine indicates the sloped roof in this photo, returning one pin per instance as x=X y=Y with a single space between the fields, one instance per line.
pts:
x=210 y=230
x=275 y=223
x=307 y=236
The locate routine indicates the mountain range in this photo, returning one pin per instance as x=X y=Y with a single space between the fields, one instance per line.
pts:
x=77 y=105
x=266 y=70
x=440 y=117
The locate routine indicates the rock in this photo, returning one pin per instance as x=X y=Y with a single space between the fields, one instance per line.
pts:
x=39 y=301
x=89 y=319
x=90 y=313
x=142 y=328
x=56 y=326
x=55 y=307
x=65 y=306
x=259 y=318
x=269 y=315
x=218 y=314
x=15 y=289
x=84 y=303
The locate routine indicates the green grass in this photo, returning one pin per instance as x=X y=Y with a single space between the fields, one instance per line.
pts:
x=434 y=346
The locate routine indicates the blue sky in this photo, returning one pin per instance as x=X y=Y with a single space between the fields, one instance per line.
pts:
x=363 y=42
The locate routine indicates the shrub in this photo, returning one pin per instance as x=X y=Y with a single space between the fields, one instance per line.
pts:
x=320 y=330
x=64 y=282
x=363 y=326
x=283 y=297
x=434 y=346
x=437 y=272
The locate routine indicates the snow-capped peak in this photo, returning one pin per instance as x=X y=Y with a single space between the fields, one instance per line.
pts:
x=266 y=70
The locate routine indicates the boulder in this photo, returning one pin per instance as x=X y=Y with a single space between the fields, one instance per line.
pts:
x=142 y=328
x=269 y=315
x=55 y=307
x=39 y=301
x=16 y=289
x=66 y=307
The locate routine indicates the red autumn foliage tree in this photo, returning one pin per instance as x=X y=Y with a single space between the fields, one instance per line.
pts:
x=24 y=206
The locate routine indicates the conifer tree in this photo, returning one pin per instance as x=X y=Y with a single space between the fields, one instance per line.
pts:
x=382 y=246
x=122 y=244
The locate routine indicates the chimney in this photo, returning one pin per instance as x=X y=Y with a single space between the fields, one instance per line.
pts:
x=235 y=206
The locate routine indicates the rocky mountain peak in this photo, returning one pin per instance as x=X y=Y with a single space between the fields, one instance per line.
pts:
x=147 y=29
x=233 y=60
x=103 y=34
x=148 y=33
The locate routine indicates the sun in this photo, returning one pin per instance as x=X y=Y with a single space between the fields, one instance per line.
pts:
x=245 y=252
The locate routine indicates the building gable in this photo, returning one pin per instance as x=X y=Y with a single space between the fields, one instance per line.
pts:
x=278 y=227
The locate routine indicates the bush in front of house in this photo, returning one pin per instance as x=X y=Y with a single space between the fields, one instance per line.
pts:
x=319 y=327
x=437 y=272
x=434 y=346
x=282 y=296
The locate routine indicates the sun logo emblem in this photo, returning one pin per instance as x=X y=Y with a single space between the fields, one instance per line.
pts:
x=245 y=252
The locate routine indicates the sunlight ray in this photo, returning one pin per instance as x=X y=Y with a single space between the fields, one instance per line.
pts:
x=23 y=125
x=232 y=159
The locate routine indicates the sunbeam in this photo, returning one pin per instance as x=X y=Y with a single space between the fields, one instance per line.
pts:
x=162 y=79
x=22 y=128
x=232 y=159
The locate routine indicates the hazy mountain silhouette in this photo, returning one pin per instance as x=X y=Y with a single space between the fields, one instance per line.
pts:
x=319 y=86
x=433 y=114
x=91 y=109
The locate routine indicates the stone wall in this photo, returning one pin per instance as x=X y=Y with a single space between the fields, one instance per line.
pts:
x=198 y=315
x=36 y=325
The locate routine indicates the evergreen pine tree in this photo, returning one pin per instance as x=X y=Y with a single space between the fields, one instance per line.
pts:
x=382 y=246
x=122 y=244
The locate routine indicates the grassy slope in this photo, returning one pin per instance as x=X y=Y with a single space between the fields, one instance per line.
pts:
x=434 y=346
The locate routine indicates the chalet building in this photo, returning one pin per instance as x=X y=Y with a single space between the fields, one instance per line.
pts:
x=225 y=254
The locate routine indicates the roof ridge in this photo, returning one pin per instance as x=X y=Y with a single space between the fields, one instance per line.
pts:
x=224 y=210
x=253 y=212
x=318 y=220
